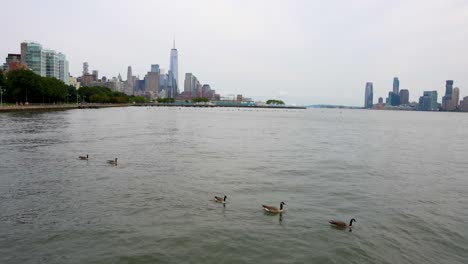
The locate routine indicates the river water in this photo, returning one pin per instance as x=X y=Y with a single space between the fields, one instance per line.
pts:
x=402 y=175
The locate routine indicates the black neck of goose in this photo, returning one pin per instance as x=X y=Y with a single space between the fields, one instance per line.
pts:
x=281 y=206
x=225 y=198
x=351 y=222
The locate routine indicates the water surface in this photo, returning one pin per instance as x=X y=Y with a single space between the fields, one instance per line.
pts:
x=402 y=175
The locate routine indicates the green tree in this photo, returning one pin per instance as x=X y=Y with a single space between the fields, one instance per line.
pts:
x=165 y=100
x=200 y=100
x=275 y=102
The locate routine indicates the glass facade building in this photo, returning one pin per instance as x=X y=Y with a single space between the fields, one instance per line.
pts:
x=33 y=55
x=44 y=62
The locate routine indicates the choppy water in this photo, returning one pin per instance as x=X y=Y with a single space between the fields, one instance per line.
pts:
x=402 y=175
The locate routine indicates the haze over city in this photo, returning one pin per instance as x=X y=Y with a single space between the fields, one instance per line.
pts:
x=304 y=52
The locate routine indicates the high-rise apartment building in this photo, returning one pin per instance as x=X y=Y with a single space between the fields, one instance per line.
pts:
x=63 y=68
x=52 y=64
x=33 y=55
x=404 y=97
x=44 y=62
x=369 y=95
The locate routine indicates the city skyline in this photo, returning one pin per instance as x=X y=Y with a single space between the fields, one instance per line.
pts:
x=303 y=52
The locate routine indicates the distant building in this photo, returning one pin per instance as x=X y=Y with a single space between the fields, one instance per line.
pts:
x=455 y=97
x=130 y=83
x=13 y=62
x=380 y=100
x=155 y=68
x=369 y=95
x=393 y=99
x=428 y=102
x=152 y=84
x=396 y=85
x=404 y=97
x=174 y=72
x=85 y=68
x=464 y=104
x=73 y=82
x=64 y=73
x=447 y=102
x=95 y=74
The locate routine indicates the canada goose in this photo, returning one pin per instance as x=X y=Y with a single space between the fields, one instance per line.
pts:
x=83 y=157
x=274 y=210
x=220 y=199
x=113 y=162
x=341 y=224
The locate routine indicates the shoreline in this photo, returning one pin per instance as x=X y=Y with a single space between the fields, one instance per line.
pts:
x=24 y=108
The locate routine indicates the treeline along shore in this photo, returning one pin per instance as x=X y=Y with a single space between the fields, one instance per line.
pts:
x=23 y=90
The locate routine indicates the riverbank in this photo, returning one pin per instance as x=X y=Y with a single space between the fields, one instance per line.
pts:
x=60 y=107
x=55 y=107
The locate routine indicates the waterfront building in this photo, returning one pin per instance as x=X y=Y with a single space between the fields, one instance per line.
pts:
x=33 y=55
x=85 y=68
x=13 y=62
x=396 y=85
x=428 y=102
x=393 y=99
x=455 y=98
x=369 y=95
x=174 y=71
x=152 y=84
x=404 y=97
x=43 y=62
x=447 y=102
x=380 y=100
x=464 y=104
x=63 y=68
x=52 y=64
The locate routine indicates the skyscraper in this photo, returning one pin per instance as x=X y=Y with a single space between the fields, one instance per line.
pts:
x=404 y=96
x=396 y=85
x=455 y=97
x=130 y=81
x=85 y=68
x=369 y=95
x=447 y=103
x=174 y=68
x=188 y=83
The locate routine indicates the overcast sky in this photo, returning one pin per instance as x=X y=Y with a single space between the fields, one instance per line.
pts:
x=304 y=52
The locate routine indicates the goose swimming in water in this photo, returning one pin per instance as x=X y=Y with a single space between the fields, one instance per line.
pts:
x=220 y=199
x=113 y=162
x=83 y=157
x=274 y=210
x=341 y=224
